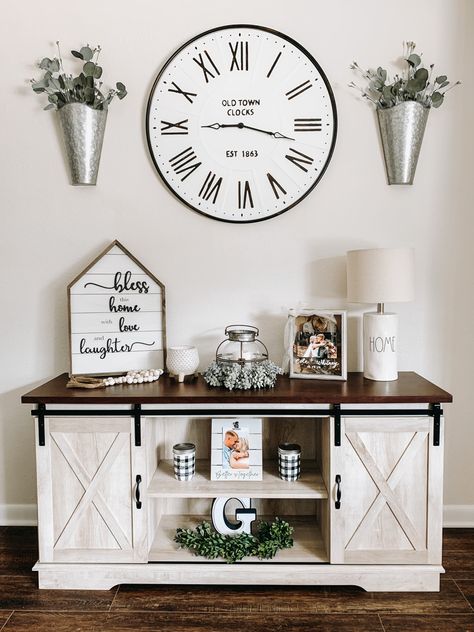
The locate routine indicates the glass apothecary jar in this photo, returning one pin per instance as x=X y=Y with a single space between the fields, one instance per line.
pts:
x=241 y=346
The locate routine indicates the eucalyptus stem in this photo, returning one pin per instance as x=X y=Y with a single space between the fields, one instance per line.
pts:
x=415 y=83
x=61 y=88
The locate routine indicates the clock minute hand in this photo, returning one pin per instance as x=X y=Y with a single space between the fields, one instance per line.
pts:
x=278 y=135
x=264 y=131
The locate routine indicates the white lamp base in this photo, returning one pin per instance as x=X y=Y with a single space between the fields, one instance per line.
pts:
x=380 y=346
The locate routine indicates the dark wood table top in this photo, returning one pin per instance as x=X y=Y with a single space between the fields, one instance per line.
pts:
x=409 y=388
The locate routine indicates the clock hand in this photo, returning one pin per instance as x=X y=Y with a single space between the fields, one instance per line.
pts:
x=264 y=131
x=219 y=125
x=244 y=126
x=278 y=135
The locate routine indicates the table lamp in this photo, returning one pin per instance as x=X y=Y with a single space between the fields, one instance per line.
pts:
x=380 y=275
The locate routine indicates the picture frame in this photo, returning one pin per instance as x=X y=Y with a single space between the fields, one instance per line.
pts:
x=117 y=316
x=317 y=344
x=236 y=450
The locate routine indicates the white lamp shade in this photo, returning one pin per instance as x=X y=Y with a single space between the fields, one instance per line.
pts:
x=380 y=275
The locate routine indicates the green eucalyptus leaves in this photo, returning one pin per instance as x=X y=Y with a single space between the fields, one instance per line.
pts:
x=416 y=83
x=234 y=376
x=86 y=87
x=271 y=537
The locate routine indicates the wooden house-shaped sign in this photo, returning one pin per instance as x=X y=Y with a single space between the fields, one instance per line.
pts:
x=117 y=317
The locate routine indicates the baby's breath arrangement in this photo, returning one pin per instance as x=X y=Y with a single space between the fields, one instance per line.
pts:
x=63 y=88
x=416 y=83
x=234 y=376
x=205 y=541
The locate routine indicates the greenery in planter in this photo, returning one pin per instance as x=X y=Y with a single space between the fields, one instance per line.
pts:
x=205 y=541
x=416 y=83
x=86 y=87
x=234 y=376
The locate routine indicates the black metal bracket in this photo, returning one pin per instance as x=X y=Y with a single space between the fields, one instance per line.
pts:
x=436 y=412
x=336 y=413
x=40 y=411
x=137 y=413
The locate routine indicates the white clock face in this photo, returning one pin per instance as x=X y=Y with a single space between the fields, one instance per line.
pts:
x=241 y=123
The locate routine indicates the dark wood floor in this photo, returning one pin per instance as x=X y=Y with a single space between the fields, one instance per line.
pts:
x=241 y=609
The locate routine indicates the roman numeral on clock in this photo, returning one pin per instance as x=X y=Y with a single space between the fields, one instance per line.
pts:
x=275 y=186
x=175 y=128
x=306 y=85
x=240 y=56
x=244 y=194
x=211 y=185
x=186 y=95
x=308 y=125
x=185 y=162
x=299 y=159
x=207 y=70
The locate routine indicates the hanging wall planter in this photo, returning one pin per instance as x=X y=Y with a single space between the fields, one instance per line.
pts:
x=82 y=110
x=83 y=134
x=403 y=105
x=401 y=131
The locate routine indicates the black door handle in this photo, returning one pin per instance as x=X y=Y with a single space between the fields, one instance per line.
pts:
x=338 y=492
x=137 y=492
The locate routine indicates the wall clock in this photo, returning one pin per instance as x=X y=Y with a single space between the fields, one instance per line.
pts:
x=241 y=123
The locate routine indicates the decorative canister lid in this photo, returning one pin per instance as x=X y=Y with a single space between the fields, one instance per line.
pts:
x=289 y=448
x=241 y=333
x=184 y=448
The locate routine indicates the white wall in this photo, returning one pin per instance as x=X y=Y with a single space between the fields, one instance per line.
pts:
x=217 y=273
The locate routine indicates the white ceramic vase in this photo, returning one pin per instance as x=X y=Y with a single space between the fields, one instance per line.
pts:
x=182 y=360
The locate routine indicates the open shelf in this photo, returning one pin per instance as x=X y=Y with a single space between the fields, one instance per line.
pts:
x=164 y=485
x=308 y=543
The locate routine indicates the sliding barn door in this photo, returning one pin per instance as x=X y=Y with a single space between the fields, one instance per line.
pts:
x=388 y=475
x=87 y=479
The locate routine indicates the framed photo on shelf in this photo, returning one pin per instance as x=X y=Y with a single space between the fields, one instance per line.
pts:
x=317 y=340
x=236 y=450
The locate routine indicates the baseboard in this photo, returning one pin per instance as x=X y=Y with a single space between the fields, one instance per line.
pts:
x=458 y=516
x=25 y=515
x=18 y=515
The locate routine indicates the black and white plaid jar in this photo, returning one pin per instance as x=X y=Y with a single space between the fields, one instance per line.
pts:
x=289 y=461
x=184 y=461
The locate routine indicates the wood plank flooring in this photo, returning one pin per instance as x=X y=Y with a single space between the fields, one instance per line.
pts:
x=216 y=609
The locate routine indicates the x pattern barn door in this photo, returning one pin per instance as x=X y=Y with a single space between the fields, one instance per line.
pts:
x=86 y=475
x=391 y=486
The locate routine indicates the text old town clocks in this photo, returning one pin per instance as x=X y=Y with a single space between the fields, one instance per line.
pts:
x=241 y=123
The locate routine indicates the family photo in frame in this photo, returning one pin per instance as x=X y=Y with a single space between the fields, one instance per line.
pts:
x=236 y=449
x=318 y=344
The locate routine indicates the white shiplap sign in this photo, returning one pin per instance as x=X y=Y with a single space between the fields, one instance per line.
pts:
x=116 y=316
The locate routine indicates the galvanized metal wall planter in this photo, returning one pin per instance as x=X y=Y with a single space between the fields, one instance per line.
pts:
x=401 y=130
x=83 y=134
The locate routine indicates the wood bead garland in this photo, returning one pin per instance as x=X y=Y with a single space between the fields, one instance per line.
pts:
x=132 y=377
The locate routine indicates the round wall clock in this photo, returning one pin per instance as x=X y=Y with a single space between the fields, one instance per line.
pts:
x=241 y=123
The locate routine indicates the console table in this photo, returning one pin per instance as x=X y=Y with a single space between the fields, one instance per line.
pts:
x=367 y=510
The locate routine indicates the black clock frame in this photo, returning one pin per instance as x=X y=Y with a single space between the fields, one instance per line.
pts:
x=313 y=61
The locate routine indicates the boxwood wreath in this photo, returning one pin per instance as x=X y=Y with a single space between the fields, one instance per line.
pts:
x=271 y=537
x=234 y=376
